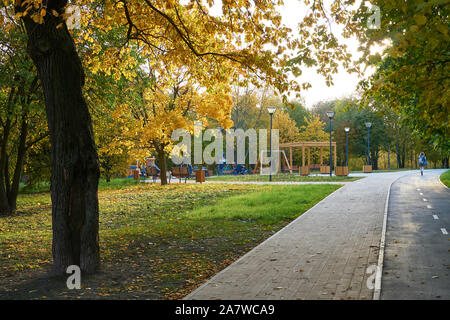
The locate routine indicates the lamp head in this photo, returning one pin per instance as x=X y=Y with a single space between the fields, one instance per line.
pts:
x=271 y=110
x=347 y=129
x=368 y=124
x=330 y=114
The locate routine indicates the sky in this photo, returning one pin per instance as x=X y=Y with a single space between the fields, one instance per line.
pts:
x=345 y=84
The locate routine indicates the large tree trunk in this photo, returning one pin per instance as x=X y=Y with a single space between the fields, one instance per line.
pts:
x=162 y=167
x=75 y=169
x=445 y=163
x=374 y=160
x=13 y=190
x=403 y=155
x=389 y=157
x=4 y=179
x=416 y=165
x=397 y=152
x=9 y=189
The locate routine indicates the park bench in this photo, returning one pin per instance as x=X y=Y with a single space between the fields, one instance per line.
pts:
x=180 y=172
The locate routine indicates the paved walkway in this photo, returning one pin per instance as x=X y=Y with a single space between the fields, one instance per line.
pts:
x=176 y=181
x=416 y=258
x=324 y=254
x=281 y=182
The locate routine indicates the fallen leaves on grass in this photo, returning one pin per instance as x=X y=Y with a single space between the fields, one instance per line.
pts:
x=150 y=248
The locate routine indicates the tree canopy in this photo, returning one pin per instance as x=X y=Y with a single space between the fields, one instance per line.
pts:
x=134 y=71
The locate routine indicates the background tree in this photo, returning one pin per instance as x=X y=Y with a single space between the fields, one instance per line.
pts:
x=288 y=131
x=412 y=70
x=21 y=116
x=106 y=94
x=320 y=109
x=356 y=118
x=298 y=112
x=114 y=153
x=245 y=113
x=314 y=130
x=171 y=100
x=413 y=75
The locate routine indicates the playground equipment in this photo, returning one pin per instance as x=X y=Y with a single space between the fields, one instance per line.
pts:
x=288 y=165
x=150 y=162
x=278 y=167
x=308 y=146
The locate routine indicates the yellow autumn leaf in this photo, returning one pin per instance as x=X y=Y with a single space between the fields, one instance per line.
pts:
x=442 y=28
x=36 y=18
x=420 y=19
x=414 y=28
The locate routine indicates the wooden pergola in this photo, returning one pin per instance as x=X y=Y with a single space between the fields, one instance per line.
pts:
x=308 y=146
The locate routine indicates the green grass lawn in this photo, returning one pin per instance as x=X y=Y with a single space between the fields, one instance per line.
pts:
x=445 y=178
x=156 y=242
x=281 y=178
x=281 y=203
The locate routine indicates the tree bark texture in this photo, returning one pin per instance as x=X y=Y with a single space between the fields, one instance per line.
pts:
x=162 y=166
x=74 y=159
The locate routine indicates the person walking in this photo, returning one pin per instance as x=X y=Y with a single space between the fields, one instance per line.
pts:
x=422 y=162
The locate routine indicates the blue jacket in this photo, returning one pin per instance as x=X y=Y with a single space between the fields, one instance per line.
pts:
x=423 y=161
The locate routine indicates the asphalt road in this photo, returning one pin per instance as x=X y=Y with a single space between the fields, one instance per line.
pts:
x=417 y=250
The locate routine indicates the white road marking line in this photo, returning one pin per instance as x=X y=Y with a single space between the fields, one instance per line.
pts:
x=444 y=231
x=435 y=217
x=418 y=189
x=379 y=273
x=421 y=194
x=425 y=200
x=429 y=207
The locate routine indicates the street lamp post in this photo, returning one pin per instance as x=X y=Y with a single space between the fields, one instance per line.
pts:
x=330 y=115
x=347 y=129
x=368 y=125
x=271 y=111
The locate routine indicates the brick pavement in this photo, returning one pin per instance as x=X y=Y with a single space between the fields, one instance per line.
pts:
x=323 y=254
